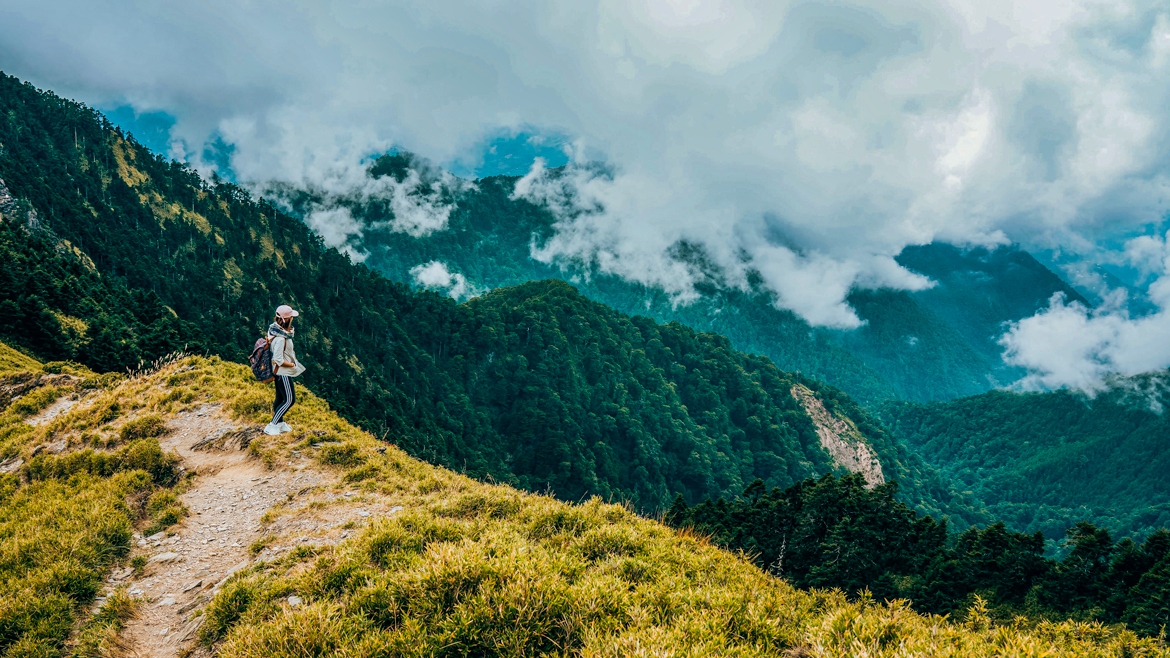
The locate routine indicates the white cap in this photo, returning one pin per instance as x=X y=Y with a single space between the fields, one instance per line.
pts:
x=286 y=311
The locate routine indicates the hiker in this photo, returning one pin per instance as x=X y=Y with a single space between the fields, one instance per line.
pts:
x=284 y=367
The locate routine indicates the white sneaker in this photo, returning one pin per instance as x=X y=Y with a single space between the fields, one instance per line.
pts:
x=284 y=427
x=271 y=430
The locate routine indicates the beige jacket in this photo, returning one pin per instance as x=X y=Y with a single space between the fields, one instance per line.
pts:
x=282 y=350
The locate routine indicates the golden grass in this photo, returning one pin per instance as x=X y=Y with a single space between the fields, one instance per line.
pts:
x=12 y=360
x=98 y=637
x=474 y=569
x=65 y=519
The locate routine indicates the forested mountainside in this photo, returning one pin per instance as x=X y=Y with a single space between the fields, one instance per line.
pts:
x=929 y=345
x=837 y=533
x=1043 y=461
x=133 y=256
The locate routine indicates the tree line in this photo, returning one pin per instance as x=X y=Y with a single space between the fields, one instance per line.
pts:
x=835 y=533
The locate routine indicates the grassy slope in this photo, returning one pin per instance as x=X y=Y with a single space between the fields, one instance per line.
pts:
x=62 y=529
x=12 y=361
x=467 y=568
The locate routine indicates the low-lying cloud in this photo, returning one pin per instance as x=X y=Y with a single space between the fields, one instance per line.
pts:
x=808 y=141
x=1069 y=345
x=436 y=276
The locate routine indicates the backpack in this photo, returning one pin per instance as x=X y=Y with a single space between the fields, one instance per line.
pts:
x=261 y=361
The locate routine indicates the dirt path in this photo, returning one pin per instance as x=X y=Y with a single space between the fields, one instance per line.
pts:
x=229 y=495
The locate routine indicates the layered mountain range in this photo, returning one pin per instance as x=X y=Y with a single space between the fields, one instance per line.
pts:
x=935 y=344
x=116 y=256
x=135 y=257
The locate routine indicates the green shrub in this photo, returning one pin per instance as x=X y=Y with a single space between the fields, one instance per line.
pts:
x=226 y=609
x=165 y=510
x=98 y=635
x=34 y=623
x=35 y=401
x=346 y=454
x=144 y=427
x=104 y=413
x=260 y=544
x=105 y=381
x=144 y=454
x=252 y=405
x=362 y=474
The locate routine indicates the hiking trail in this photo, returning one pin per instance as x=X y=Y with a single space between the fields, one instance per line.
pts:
x=227 y=500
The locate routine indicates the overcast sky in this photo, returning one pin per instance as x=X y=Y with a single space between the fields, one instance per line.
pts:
x=810 y=141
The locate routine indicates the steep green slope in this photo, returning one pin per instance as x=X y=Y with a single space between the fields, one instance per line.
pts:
x=979 y=290
x=1043 y=461
x=133 y=256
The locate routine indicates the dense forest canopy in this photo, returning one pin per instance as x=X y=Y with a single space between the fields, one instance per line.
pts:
x=1043 y=461
x=832 y=532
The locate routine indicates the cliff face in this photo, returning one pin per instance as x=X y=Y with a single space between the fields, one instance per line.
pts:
x=841 y=438
x=11 y=211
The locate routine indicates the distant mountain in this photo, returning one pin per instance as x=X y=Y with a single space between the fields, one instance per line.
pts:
x=941 y=343
x=1097 y=283
x=1043 y=461
x=932 y=345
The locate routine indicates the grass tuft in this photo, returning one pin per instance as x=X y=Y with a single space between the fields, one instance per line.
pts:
x=98 y=637
x=145 y=427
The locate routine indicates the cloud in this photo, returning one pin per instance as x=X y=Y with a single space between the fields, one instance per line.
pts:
x=808 y=141
x=339 y=230
x=1068 y=345
x=435 y=275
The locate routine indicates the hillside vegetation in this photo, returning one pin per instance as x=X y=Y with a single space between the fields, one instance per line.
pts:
x=63 y=528
x=132 y=256
x=451 y=567
x=1044 y=461
x=837 y=533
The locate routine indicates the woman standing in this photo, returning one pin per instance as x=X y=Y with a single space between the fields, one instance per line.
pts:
x=284 y=366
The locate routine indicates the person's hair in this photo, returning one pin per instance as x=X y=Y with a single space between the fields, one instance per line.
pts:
x=283 y=322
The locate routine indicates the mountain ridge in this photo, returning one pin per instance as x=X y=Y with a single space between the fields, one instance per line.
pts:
x=939 y=343
x=179 y=261
x=325 y=540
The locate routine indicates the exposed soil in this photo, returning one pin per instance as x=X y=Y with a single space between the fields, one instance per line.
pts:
x=841 y=439
x=62 y=405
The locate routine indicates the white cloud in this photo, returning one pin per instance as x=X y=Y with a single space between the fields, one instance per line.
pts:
x=339 y=230
x=435 y=275
x=1068 y=345
x=811 y=141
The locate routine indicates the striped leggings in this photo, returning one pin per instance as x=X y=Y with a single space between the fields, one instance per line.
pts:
x=286 y=397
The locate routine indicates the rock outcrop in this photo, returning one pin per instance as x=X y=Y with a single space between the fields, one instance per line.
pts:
x=841 y=439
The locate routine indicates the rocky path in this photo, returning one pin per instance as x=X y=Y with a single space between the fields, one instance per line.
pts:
x=187 y=566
